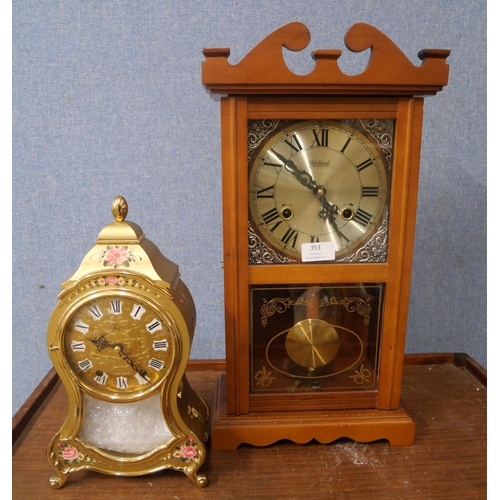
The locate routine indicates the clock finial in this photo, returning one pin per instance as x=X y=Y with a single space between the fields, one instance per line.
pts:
x=119 y=208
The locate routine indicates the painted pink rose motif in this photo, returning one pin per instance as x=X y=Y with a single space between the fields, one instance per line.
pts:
x=111 y=280
x=116 y=256
x=70 y=453
x=188 y=452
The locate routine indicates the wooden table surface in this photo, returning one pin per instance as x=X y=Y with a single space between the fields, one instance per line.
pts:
x=445 y=394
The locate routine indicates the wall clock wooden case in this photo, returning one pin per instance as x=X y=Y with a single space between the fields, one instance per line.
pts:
x=320 y=175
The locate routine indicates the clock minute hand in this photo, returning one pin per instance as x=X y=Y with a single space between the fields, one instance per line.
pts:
x=305 y=178
x=101 y=343
x=127 y=359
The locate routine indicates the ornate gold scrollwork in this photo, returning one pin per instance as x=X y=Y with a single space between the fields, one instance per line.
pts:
x=351 y=304
x=264 y=378
x=361 y=375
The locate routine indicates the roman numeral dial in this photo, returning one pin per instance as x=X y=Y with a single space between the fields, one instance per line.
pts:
x=118 y=345
x=318 y=181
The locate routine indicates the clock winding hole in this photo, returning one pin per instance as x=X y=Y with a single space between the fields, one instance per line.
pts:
x=347 y=213
x=286 y=212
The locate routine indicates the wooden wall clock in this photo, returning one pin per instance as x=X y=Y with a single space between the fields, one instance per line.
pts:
x=119 y=339
x=320 y=175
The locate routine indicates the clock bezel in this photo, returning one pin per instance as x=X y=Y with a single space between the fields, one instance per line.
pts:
x=109 y=284
x=102 y=392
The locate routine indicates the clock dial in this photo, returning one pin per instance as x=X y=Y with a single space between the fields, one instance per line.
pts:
x=317 y=182
x=118 y=346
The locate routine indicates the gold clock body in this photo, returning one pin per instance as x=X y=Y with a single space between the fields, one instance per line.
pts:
x=119 y=338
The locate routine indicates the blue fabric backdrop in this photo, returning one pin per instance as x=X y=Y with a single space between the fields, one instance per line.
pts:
x=107 y=100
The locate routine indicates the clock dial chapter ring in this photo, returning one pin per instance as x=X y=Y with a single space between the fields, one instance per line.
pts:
x=118 y=346
x=316 y=181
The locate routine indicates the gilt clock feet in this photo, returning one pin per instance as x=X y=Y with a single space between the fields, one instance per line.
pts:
x=201 y=480
x=57 y=482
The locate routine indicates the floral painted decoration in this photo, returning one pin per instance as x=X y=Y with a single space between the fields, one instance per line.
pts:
x=117 y=256
x=71 y=454
x=188 y=451
x=111 y=280
x=194 y=413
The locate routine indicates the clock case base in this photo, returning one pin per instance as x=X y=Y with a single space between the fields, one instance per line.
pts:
x=265 y=428
x=95 y=460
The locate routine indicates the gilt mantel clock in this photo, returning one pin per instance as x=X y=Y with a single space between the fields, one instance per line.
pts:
x=119 y=339
x=319 y=187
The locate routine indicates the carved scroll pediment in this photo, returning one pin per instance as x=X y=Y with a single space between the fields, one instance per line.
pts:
x=388 y=71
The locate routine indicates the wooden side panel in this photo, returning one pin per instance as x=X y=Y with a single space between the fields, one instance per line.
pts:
x=234 y=219
x=400 y=254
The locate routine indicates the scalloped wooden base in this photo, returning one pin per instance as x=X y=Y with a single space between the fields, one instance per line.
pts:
x=265 y=428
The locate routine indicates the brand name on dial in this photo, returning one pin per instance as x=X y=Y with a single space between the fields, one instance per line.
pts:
x=319 y=163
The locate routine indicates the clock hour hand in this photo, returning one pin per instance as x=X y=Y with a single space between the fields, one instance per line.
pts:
x=305 y=178
x=101 y=343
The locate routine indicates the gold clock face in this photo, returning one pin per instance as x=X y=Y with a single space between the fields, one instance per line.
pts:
x=118 y=346
x=317 y=181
